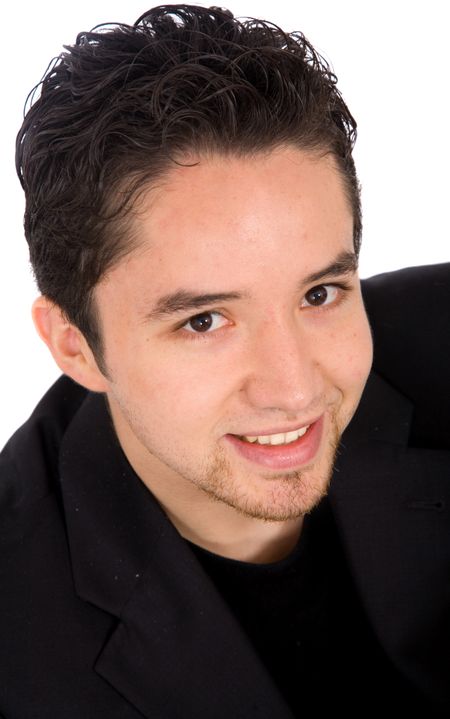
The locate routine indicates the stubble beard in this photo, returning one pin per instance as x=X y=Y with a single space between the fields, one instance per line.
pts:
x=272 y=497
x=265 y=496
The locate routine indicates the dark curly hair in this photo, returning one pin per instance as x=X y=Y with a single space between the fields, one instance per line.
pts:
x=121 y=106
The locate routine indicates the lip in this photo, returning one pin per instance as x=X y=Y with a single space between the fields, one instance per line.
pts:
x=282 y=457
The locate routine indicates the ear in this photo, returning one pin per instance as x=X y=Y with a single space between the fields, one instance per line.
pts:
x=68 y=346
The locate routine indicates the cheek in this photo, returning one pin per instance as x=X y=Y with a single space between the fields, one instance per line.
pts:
x=168 y=388
x=350 y=357
x=358 y=356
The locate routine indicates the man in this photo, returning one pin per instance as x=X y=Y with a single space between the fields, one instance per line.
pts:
x=175 y=540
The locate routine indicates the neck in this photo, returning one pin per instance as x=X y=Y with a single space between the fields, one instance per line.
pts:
x=225 y=532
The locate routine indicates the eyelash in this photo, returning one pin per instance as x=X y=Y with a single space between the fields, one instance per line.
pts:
x=344 y=288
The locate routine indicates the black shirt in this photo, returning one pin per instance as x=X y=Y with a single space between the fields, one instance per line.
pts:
x=306 y=621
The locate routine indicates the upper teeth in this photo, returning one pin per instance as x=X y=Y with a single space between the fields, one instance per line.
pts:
x=282 y=438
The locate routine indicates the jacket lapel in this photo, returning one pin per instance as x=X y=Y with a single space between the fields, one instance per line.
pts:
x=175 y=650
x=391 y=504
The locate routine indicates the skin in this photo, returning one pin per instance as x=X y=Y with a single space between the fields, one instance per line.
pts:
x=256 y=226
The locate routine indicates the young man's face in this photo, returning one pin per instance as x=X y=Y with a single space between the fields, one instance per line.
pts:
x=282 y=344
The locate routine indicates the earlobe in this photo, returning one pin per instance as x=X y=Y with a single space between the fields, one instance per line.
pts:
x=67 y=345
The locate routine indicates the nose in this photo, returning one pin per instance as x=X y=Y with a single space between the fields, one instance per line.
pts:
x=284 y=371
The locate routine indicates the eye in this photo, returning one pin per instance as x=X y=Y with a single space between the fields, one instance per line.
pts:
x=204 y=322
x=321 y=295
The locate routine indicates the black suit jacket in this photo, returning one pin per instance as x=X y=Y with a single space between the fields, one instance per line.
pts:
x=104 y=609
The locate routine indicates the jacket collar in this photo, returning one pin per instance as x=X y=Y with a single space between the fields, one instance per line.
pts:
x=391 y=504
x=176 y=649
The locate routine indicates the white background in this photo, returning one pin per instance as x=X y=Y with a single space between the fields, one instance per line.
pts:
x=392 y=61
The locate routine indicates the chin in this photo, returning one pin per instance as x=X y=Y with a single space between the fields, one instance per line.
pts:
x=268 y=495
x=275 y=498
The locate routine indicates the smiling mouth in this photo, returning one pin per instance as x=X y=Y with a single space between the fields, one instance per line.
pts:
x=281 y=450
x=276 y=439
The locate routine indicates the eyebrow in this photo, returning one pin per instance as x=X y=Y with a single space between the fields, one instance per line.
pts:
x=183 y=300
x=346 y=263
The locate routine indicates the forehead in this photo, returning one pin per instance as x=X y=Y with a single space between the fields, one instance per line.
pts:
x=238 y=190
x=234 y=216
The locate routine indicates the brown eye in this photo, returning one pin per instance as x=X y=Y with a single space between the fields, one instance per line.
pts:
x=201 y=323
x=204 y=322
x=321 y=295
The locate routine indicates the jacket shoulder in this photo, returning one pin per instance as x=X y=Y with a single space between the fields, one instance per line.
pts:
x=29 y=460
x=424 y=288
x=409 y=313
